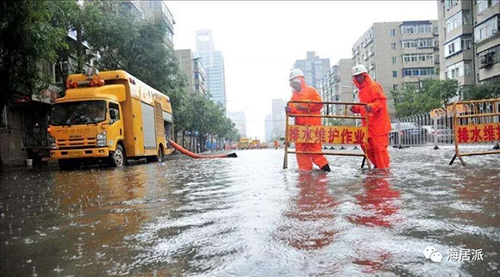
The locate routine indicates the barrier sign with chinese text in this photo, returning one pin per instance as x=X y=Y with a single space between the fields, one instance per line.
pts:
x=327 y=134
x=478 y=133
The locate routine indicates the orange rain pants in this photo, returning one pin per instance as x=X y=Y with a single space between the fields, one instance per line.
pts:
x=376 y=150
x=308 y=93
x=379 y=123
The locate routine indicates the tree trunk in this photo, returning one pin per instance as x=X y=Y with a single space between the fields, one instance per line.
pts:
x=79 y=48
x=183 y=140
x=191 y=141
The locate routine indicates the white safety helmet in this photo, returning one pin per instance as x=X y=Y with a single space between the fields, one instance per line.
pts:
x=295 y=73
x=358 y=69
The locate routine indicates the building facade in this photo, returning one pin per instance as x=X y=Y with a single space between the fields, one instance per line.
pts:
x=214 y=63
x=399 y=53
x=469 y=41
x=194 y=71
x=314 y=68
x=159 y=9
x=337 y=86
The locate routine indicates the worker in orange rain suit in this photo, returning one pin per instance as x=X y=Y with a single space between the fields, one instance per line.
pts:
x=302 y=92
x=379 y=123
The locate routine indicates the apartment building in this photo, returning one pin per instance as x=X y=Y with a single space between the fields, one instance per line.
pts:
x=337 y=85
x=399 y=53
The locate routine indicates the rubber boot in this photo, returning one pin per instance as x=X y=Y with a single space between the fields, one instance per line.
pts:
x=326 y=168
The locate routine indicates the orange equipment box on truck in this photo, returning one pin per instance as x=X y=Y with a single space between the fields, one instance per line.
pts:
x=109 y=115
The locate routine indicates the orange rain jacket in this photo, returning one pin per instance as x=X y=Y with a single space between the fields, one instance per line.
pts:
x=371 y=92
x=306 y=94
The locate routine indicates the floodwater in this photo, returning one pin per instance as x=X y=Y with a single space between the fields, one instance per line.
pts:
x=249 y=217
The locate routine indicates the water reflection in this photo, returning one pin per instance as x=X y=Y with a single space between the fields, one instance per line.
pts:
x=311 y=217
x=377 y=201
x=378 y=207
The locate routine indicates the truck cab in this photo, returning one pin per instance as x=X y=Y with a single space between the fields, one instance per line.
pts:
x=109 y=116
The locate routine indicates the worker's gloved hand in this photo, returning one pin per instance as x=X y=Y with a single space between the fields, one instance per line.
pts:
x=302 y=108
x=368 y=108
x=287 y=109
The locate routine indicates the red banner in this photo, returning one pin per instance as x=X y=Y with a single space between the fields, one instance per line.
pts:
x=327 y=134
x=478 y=133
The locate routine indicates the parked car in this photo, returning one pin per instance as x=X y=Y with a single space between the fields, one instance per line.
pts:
x=443 y=133
x=407 y=133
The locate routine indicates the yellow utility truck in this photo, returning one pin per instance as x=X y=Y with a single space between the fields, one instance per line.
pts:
x=109 y=115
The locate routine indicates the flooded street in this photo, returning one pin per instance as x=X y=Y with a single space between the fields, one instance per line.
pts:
x=249 y=217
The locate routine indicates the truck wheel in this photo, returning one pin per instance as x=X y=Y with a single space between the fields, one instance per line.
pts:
x=67 y=164
x=118 y=158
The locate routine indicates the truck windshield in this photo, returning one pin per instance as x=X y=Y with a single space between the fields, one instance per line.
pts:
x=72 y=113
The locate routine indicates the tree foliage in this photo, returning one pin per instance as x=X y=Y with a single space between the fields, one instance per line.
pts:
x=482 y=91
x=35 y=32
x=28 y=39
x=431 y=95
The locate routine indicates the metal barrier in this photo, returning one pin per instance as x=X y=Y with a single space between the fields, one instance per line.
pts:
x=349 y=134
x=479 y=123
x=424 y=129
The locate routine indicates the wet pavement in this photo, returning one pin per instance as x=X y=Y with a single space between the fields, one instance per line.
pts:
x=249 y=217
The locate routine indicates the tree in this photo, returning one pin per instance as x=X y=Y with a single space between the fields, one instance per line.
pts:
x=443 y=90
x=413 y=100
x=119 y=40
x=481 y=91
x=28 y=39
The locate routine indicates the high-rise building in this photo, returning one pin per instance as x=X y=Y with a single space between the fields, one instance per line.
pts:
x=194 y=71
x=214 y=63
x=159 y=9
x=314 y=68
x=278 y=118
x=239 y=120
x=399 y=53
x=469 y=41
x=337 y=86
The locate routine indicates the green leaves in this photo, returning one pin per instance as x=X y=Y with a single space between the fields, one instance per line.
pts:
x=33 y=35
x=28 y=40
x=482 y=91
x=431 y=95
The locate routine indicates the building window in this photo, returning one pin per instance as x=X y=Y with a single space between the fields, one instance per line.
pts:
x=450 y=3
x=393 y=32
x=457 y=45
x=395 y=87
x=393 y=46
x=424 y=71
x=482 y=5
x=459 y=69
x=425 y=42
x=409 y=43
x=416 y=29
x=486 y=29
x=394 y=59
x=489 y=57
x=394 y=74
x=418 y=57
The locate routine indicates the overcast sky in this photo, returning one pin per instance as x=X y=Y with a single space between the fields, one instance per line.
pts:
x=261 y=40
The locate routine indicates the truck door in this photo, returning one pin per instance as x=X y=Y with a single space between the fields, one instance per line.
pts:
x=115 y=130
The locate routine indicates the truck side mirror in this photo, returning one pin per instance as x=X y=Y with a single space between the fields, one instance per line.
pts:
x=112 y=114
